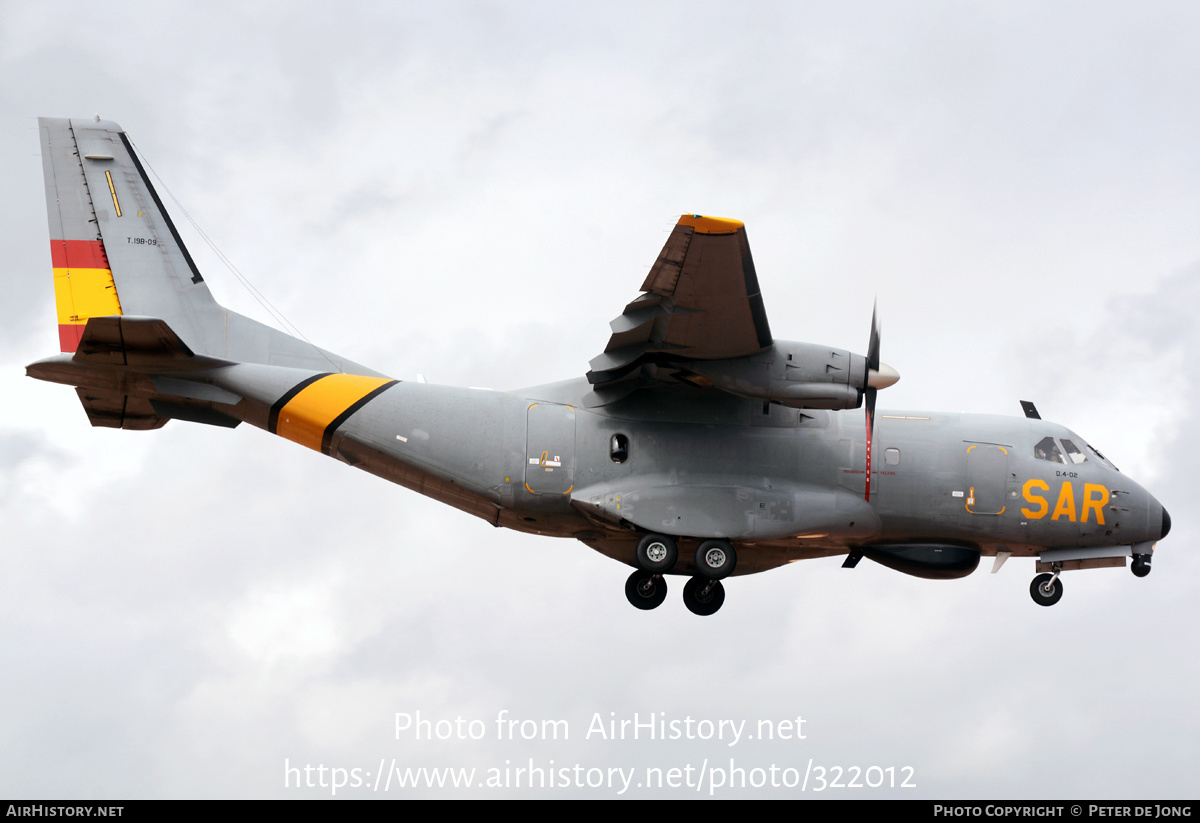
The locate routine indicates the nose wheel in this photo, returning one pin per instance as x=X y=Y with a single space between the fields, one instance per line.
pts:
x=1141 y=565
x=1046 y=589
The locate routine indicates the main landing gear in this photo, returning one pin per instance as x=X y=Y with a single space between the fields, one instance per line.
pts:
x=715 y=559
x=645 y=590
x=703 y=597
x=657 y=554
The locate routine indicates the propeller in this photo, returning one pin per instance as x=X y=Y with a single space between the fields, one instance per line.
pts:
x=878 y=376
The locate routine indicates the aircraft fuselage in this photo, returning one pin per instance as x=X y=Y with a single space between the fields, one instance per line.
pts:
x=538 y=461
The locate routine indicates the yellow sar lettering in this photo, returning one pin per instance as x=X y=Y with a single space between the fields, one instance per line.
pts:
x=1094 y=497
x=1043 y=506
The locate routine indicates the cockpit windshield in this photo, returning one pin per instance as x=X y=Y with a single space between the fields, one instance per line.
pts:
x=1047 y=449
x=1101 y=457
x=1065 y=451
x=1073 y=452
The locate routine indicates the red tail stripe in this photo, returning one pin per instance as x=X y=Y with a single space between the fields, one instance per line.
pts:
x=69 y=337
x=78 y=254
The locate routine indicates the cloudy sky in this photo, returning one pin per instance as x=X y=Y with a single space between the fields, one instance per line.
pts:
x=471 y=191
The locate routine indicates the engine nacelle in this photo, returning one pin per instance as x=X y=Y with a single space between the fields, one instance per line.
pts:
x=800 y=375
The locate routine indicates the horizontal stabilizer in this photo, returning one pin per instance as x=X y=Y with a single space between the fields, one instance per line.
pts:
x=144 y=342
x=118 y=369
x=118 y=411
x=193 y=414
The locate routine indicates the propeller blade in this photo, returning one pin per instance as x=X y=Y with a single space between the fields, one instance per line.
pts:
x=873 y=346
x=869 y=395
x=871 y=383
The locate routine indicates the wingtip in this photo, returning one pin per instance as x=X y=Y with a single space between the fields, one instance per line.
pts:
x=704 y=224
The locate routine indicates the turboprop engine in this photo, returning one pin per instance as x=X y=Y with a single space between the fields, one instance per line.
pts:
x=800 y=375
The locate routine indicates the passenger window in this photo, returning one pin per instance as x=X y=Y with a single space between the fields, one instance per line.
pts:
x=1047 y=449
x=619 y=448
x=1073 y=452
x=892 y=457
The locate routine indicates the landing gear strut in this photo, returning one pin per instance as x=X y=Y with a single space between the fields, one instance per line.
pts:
x=703 y=597
x=646 y=590
x=1046 y=589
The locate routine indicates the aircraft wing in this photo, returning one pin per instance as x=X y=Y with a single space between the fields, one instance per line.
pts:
x=701 y=301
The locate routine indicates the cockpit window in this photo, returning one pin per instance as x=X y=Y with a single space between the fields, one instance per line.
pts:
x=1100 y=456
x=1073 y=452
x=1047 y=449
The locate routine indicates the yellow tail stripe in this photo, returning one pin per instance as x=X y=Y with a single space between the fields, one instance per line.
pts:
x=307 y=415
x=83 y=293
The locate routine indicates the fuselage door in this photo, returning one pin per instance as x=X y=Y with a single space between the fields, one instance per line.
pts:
x=987 y=472
x=550 y=449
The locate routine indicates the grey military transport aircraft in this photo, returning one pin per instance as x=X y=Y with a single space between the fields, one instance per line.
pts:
x=698 y=444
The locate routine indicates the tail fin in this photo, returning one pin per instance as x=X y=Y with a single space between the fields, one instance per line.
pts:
x=115 y=251
x=113 y=246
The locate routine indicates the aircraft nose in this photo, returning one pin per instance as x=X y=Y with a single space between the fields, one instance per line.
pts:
x=1166 y=524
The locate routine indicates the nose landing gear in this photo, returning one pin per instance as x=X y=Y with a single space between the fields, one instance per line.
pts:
x=1141 y=565
x=1046 y=589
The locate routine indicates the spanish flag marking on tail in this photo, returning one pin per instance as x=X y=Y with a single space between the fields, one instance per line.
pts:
x=83 y=287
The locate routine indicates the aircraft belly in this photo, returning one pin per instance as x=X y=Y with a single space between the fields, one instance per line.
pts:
x=733 y=510
x=753 y=558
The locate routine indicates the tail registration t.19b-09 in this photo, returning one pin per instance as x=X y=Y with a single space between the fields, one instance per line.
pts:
x=698 y=444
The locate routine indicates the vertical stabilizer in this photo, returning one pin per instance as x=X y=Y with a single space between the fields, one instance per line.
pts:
x=113 y=247
x=115 y=251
